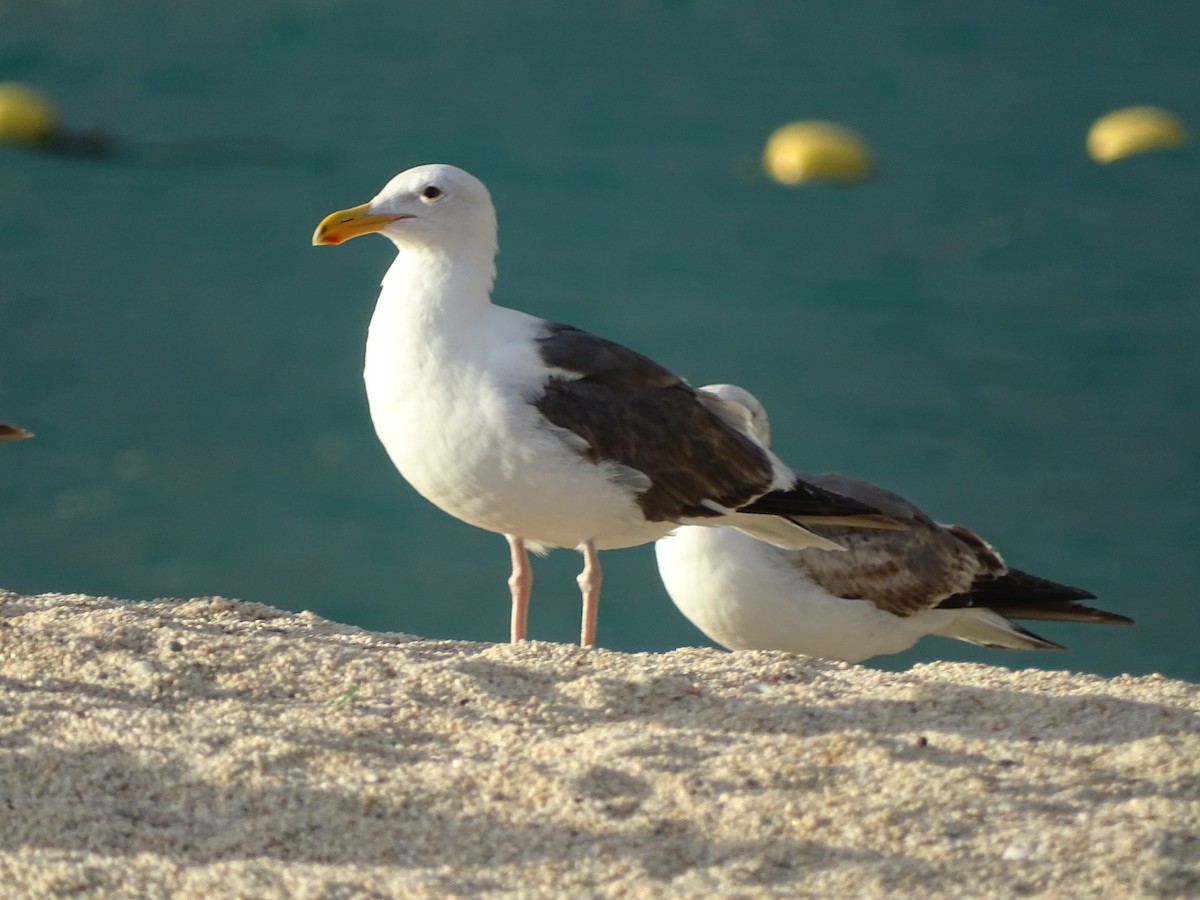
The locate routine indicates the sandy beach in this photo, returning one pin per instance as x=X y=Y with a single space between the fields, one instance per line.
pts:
x=220 y=748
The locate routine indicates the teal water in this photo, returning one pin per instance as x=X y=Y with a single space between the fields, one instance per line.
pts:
x=994 y=326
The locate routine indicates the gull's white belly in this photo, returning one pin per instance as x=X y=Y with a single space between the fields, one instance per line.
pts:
x=470 y=444
x=743 y=594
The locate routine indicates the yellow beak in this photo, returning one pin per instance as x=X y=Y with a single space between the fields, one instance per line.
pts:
x=349 y=223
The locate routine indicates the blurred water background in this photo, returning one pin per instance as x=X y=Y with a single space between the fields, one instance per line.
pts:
x=995 y=326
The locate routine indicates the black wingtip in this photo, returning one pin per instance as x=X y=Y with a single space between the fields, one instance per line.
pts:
x=1019 y=595
x=804 y=500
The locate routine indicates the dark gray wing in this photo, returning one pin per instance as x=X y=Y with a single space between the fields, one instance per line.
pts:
x=804 y=501
x=886 y=502
x=631 y=410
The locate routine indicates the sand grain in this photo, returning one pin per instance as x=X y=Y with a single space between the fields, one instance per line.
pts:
x=221 y=748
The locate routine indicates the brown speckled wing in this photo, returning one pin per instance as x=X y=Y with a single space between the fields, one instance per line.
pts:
x=901 y=572
x=930 y=565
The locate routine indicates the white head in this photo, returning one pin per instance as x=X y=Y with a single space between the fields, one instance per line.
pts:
x=747 y=407
x=436 y=206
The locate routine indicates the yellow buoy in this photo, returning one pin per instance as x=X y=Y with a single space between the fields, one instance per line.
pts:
x=12 y=432
x=1135 y=129
x=26 y=115
x=815 y=150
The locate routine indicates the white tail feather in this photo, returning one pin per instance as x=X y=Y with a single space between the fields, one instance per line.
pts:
x=990 y=629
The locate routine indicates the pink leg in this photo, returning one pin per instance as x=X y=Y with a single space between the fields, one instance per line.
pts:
x=519 y=584
x=589 y=585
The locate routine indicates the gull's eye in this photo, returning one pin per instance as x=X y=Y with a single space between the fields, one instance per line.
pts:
x=431 y=192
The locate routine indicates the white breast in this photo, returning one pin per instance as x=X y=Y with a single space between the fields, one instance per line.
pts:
x=452 y=408
x=743 y=594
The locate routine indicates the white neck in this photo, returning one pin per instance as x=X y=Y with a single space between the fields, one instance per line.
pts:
x=431 y=309
x=431 y=292
x=432 y=314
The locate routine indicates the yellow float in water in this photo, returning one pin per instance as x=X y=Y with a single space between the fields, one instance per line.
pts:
x=1135 y=129
x=13 y=432
x=26 y=115
x=816 y=150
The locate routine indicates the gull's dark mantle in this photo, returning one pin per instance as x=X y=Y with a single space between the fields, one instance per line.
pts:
x=628 y=409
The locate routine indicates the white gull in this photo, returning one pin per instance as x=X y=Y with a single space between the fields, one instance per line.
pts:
x=538 y=431
x=888 y=590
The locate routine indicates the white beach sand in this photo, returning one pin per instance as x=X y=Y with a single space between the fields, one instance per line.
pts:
x=217 y=748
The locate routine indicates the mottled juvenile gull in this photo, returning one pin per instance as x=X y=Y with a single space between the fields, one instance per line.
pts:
x=539 y=431
x=888 y=590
